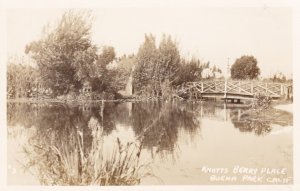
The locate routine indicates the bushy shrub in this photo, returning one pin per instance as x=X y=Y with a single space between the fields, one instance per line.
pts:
x=261 y=102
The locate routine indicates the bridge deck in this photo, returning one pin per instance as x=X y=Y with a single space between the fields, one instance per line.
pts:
x=230 y=89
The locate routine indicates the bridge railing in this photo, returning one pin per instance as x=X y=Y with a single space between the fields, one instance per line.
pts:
x=246 y=88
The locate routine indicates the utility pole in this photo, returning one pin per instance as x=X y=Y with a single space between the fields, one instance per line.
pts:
x=225 y=85
x=228 y=68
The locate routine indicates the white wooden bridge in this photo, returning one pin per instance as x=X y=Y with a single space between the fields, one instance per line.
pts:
x=230 y=89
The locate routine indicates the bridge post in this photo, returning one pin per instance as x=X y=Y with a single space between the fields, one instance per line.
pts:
x=225 y=112
x=201 y=111
x=281 y=90
x=215 y=85
x=252 y=88
x=201 y=90
x=291 y=93
x=225 y=91
x=288 y=92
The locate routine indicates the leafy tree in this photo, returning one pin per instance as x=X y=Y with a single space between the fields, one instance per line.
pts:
x=65 y=55
x=107 y=56
x=216 y=70
x=146 y=62
x=278 y=77
x=169 y=59
x=103 y=80
x=245 y=68
x=123 y=73
x=189 y=71
x=156 y=67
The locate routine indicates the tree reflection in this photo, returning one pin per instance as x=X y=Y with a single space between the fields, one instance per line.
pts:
x=165 y=120
x=67 y=140
x=55 y=122
x=71 y=149
x=248 y=121
x=159 y=123
x=258 y=127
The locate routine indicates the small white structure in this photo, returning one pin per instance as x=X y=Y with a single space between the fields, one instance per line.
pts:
x=86 y=88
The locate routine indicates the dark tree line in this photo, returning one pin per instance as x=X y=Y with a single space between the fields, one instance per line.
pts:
x=66 y=60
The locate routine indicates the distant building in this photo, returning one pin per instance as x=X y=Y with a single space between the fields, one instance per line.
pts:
x=86 y=88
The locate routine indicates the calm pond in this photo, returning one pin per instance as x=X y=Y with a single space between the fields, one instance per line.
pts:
x=182 y=143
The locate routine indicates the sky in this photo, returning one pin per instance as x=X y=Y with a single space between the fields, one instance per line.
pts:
x=211 y=34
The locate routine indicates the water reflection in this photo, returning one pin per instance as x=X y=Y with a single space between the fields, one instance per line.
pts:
x=159 y=123
x=261 y=123
x=68 y=147
x=74 y=135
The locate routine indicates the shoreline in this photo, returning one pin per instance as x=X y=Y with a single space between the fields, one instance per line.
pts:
x=284 y=106
x=64 y=101
x=288 y=107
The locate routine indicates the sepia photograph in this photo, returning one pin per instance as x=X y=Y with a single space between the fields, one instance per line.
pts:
x=149 y=95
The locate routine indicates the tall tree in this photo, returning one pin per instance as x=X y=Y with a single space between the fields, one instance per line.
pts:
x=169 y=60
x=65 y=54
x=156 y=67
x=146 y=62
x=245 y=68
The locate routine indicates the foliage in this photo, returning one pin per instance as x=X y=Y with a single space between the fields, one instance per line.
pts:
x=215 y=70
x=245 y=68
x=67 y=59
x=156 y=66
x=261 y=103
x=68 y=162
x=65 y=55
x=121 y=73
x=107 y=56
x=21 y=79
x=146 y=62
x=190 y=71
x=168 y=60
x=278 y=78
x=104 y=80
x=159 y=70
